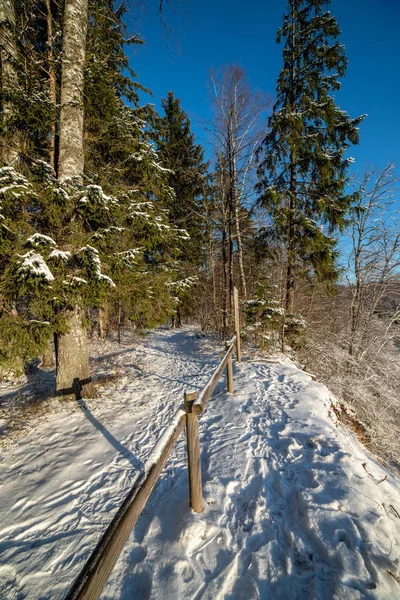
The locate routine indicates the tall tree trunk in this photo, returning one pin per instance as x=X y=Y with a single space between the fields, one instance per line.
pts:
x=11 y=144
x=52 y=81
x=119 y=322
x=235 y=195
x=240 y=250
x=103 y=322
x=355 y=311
x=212 y=266
x=71 y=157
x=224 y=247
x=47 y=359
x=14 y=366
x=291 y=247
x=225 y=291
x=73 y=373
x=230 y=256
x=230 y=207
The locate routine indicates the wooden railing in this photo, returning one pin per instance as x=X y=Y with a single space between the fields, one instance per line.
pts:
x=96 y=571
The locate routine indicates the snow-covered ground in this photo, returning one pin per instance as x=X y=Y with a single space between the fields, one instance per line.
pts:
x=294 y=507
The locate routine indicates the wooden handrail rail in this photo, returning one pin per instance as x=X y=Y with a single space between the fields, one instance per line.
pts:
x=94 y=575
x=205 y=394
x=96 y=571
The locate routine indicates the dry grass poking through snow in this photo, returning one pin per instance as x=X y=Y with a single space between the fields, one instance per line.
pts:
x=368 y=391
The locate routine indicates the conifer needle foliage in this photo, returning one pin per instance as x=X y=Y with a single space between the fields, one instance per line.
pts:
x=107 y=240
x=303 y=169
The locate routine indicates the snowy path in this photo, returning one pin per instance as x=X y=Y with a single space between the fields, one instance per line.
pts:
x=292 y=504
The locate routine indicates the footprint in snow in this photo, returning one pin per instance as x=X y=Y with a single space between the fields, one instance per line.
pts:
x=9 y=586
x=307 y=480
x=341 y=536
x=292 y=404
x=137 y=555
x=184 y=570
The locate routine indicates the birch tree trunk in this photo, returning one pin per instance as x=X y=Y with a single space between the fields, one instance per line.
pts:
x=234 y=183
x=225 y=289
x=240 y=250
x=212 y=266
x=10 y=145
x=73 y=372
x=71 y=157
x=224 y=208
x=230 y=254
x=237 y=131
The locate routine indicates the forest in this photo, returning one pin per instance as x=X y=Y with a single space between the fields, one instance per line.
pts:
x=114 y=215
x=143 y=455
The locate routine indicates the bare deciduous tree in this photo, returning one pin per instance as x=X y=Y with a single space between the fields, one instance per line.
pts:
x=236 y=130
x=375 y=254
x=354 y=334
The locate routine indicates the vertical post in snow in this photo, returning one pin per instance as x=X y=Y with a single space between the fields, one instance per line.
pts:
x=229 y=370
x=193 y=454
x=237 y=323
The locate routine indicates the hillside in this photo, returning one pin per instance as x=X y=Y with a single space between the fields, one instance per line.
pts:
x=294 y=506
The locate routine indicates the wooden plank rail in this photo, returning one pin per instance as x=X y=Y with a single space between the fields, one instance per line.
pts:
x=94 y=575
x=205 y=394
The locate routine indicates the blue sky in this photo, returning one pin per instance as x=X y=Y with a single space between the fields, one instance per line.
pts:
x=211 y=33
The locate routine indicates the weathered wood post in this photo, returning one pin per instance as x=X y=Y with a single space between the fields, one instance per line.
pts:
x=229 y=370
x=193 y=454
x=237 y=323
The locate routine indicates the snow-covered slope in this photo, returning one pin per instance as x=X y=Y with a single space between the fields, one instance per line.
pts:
x=294 y=507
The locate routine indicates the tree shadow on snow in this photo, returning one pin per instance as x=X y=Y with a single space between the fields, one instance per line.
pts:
x=123 y=450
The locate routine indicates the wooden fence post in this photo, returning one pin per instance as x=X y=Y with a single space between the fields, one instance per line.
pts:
x=229 y=370
x=193 y=454
x=237 y=323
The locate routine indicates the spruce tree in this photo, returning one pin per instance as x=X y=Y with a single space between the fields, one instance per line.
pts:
x=302 y=175
x=30 y=45
x=109 y=84
x=184 y=158
x=70 y=245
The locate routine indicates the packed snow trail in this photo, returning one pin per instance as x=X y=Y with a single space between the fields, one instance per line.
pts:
x=294 y=507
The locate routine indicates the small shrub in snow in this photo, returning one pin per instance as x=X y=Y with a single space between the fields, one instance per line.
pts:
x=264 y=318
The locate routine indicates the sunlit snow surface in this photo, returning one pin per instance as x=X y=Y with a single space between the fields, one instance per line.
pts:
x=290 y=512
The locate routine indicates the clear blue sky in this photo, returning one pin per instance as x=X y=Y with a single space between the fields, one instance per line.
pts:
x=211 y=33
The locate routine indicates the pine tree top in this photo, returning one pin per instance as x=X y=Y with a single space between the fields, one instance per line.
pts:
x=306 y=126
